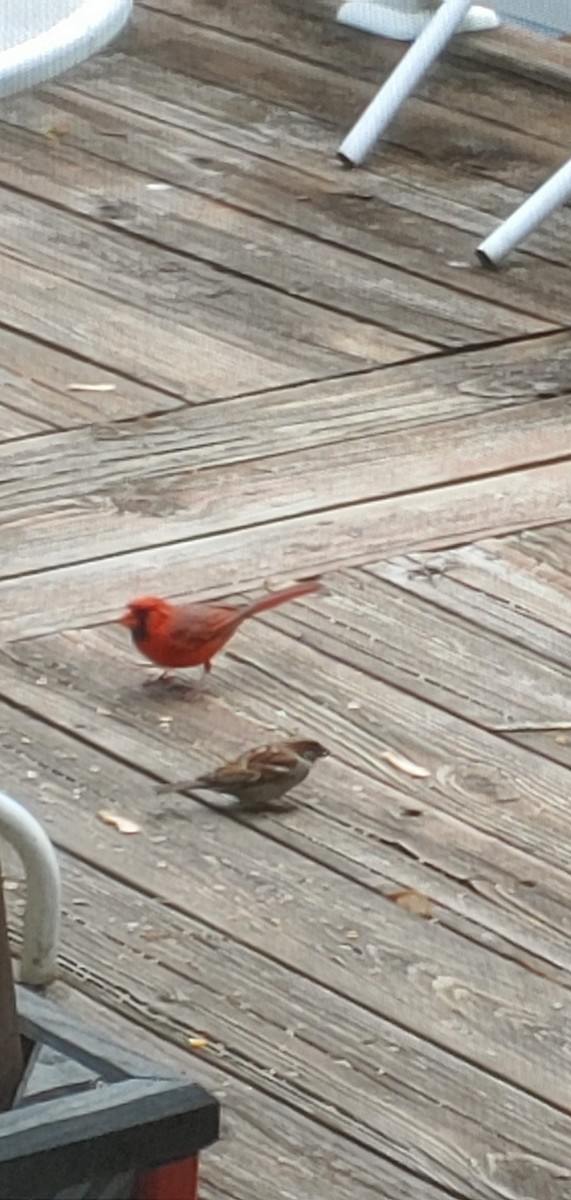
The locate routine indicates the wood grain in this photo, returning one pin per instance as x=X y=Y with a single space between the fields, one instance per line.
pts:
x=547 y=551
x=519 y=51
x=435 y=652
x=67 y=521
x=192 y=365
x=237 y=310
x=38 y=381
x=321 y=90
x=497 y=586
x=15 y=424
x=291 y=141
x=305 y=1155
x=472 y=74
x=224 y=210
x=385 y=832
x=358 y=1075
x=491 y=1012
x=294 y=384
x=65 y=597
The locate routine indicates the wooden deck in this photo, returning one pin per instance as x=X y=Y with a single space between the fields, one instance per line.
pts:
x=228 y=362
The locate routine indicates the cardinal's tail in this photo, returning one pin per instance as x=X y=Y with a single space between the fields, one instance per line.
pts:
x=281 y=597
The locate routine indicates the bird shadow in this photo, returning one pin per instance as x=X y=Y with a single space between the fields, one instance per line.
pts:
x=233 y=809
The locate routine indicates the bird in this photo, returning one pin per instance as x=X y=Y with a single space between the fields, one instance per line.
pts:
x=258 y=777
x=189 y=635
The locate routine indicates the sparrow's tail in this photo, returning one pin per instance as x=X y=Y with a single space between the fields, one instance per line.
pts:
x=188 y=785
x=179 y=785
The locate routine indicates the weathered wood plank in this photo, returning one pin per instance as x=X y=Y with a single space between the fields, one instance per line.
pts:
x=245 y=317
x=495 y=586
x=215 y=232
x=441 y=389
x=518 y=51
x=227 y=215
x=16 y=424
x=517 y=587
x=289 y=1149
x=470 y=203
x=193 y=365
x=361 y=1076
x=392 y=400
x=548 y=549
x=37 y=380
x=442 y=988
x=351 y=535
x=475 y=774
x=429 y=129
x=413 y=305
x=453 y=663
x=532 y=686
x=72 y=515
x=357 y=217
x=484 y=83
x=384 y=836
x=299 y=141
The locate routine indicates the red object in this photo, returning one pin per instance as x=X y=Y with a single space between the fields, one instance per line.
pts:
x=189 y=635
x=175 y=1181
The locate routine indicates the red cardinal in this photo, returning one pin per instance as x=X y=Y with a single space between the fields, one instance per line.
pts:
x=189 y=635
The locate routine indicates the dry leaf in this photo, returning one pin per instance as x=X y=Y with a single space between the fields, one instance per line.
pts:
x=92 y=387
x=57 y=131
x=414 y=902
x=198 y=1043
x=122 y=824
x=400 y=763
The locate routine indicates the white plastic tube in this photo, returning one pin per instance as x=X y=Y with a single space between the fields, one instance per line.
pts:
x=43 y=904
x=551 y=195
x=41 y=40
x=411 y=69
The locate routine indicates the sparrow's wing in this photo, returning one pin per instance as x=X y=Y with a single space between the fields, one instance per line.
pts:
x=272 y=761
x=238 y=773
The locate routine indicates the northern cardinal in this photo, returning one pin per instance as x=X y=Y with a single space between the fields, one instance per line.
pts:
x=189 y=635
x=259 y=777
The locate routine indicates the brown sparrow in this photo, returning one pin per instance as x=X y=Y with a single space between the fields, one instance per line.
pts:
x=259 y=777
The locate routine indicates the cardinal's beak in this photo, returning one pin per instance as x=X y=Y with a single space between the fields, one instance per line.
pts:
x=128 y=620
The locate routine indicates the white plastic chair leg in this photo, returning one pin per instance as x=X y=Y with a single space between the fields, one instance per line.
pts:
x=398 y=87
x=550 y=196
x=43 y=904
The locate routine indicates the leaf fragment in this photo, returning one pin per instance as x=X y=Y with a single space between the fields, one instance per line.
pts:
x=414 y=902
x=121 y=824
